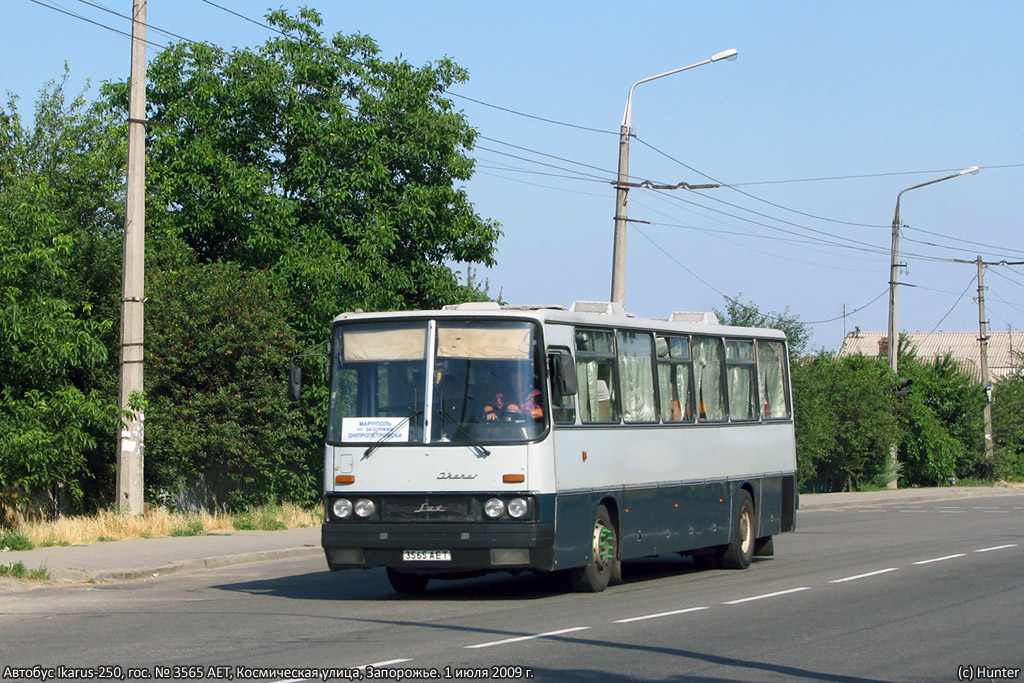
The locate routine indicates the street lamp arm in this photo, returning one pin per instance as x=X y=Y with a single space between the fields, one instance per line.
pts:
x=896 y=218
x=627 y=115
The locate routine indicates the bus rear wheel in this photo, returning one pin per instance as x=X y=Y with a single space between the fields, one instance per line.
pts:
x=740 y=551
x=594 y=577
x=407 y=583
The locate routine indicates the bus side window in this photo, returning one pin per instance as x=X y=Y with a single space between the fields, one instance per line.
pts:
x=741 y=379
x=675 y=382
x=637 y=373
x=709 y=387
x=595 y=372
x=771 y=378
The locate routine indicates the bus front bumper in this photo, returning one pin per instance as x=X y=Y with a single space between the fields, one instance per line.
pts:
x=469 y=547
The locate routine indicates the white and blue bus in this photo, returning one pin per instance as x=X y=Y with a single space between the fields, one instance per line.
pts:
x=485 y=438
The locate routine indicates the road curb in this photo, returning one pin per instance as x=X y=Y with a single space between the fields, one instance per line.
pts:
x=832 y=501
x=77 y=575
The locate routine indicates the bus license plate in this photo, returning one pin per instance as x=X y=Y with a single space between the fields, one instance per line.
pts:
x=426 y=555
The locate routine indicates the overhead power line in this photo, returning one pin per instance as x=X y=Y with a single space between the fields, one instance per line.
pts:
x=849 y=313
x=747 y=194
x=867 y=175
x=94 y=23
x=129 y=18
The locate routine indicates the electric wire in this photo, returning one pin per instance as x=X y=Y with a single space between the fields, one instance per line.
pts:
x=747 y=194
x=130 y=18
x=955 y=303
x=530 y=116
x=69 y=13
x=849 y=313
x=867 y=175
x=680 y=264
x=956 y=239
x=545 y=154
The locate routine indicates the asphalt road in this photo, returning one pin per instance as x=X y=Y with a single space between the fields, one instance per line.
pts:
x=901 y=592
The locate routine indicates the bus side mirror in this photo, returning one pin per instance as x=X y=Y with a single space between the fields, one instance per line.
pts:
x=563 y=371
x=294 y=382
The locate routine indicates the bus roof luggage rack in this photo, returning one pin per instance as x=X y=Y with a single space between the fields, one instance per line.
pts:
x=603 y=307
x=473 y=306
x=705 y=317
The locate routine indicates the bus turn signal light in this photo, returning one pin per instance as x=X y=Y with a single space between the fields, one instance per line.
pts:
x=513 y=478
x=345 y=479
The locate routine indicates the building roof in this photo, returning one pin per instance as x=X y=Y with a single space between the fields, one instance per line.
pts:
x=1005 y=349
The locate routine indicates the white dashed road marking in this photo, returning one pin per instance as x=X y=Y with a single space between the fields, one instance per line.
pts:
x=767 y=595
x=660 y=614
x=522 y=638
x=940 y=559
x=864 y=576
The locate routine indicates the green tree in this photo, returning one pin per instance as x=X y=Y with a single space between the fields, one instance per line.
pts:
x=219 y=431
x=303 y=178
x=56 y=209
x=316 y=159
x=293 y=182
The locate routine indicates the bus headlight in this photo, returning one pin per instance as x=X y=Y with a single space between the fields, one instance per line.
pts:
x=342 y=508
x=517 y=507
x=494 y=508
x=365 y=508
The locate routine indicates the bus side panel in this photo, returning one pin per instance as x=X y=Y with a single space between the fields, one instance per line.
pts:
x=575 y=514
x=644 y=521
x=769 y=507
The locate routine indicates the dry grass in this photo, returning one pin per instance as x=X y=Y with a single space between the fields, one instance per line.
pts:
x=109 y=525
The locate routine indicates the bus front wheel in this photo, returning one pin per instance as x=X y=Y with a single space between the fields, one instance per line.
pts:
x=740 y=551
x=594 y=577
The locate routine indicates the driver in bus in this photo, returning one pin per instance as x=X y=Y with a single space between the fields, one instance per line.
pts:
x=501 y=406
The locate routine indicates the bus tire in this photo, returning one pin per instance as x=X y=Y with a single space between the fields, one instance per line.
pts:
x=407 y=583
x=594 y=577
x=740 y=551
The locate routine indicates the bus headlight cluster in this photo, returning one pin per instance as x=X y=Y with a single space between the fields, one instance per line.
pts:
x=344 y=509
x=517 y=508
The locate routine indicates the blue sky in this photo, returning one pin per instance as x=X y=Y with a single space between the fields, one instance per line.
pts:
x=881 y=95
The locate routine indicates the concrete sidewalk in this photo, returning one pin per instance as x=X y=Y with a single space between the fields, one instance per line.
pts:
x=137 y=558
x=831 y=501
x=149 y=557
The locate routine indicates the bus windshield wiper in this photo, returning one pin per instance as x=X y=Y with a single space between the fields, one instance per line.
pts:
x=460 y=430
x=391 y=432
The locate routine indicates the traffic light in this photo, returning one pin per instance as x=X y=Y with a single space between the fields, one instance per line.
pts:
x=902 y=387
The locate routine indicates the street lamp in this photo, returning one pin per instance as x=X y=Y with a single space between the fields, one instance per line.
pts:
x=894 y=266
x=894 y=342
x=622 y=189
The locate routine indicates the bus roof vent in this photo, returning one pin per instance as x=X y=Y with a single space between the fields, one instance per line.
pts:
x=473 y=306
x=705 y=317
x=602 y=307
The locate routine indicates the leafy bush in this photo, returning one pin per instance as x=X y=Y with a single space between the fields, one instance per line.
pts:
x=845 y=421
x=942 y=422
x=14 y=540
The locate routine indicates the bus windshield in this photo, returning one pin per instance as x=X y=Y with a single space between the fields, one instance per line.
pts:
x=453 y=381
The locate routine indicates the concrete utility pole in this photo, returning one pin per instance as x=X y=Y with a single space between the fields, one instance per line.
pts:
x=622 y=183
x=131 y=439
x=986 y=380
x=894 y=265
